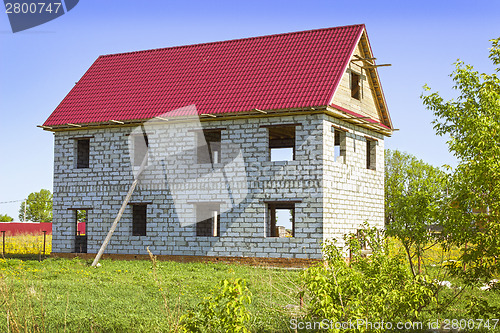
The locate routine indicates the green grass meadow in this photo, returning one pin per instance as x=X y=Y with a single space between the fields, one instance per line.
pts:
x=61 y=295
x=68 y=295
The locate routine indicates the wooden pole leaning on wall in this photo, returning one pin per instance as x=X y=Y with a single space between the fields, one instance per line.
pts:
x=120 y=212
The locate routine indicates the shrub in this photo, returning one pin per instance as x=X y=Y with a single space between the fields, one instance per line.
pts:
x=223 y=311
x=372 y=288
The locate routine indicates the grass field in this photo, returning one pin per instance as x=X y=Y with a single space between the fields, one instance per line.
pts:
x=60 y=295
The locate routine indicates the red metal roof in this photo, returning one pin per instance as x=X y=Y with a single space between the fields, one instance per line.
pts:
x=292 y=70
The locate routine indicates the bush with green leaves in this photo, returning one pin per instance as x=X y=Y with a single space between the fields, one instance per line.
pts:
x=223 y=311
x=373 y=288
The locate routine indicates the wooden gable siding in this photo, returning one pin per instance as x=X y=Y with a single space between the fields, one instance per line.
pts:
x=367 y=105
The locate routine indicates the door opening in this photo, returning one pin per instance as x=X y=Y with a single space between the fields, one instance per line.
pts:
x=81 y=231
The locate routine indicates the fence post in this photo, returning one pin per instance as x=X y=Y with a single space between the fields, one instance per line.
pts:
x=3 y=242
x=44 y=233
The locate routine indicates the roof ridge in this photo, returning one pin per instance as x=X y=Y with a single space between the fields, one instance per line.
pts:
x=231 y=40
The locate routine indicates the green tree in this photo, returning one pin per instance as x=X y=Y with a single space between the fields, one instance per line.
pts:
x=5 y=218
x=38 y=207
x=413 y=193
x=472 y=122
x=81 y=215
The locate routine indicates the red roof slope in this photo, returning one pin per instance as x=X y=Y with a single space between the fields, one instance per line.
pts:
x=291 y=70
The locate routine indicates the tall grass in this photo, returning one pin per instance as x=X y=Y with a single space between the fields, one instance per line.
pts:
x=23 y=308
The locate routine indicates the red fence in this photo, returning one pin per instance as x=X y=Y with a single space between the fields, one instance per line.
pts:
x=81 y=228
x=16 y=228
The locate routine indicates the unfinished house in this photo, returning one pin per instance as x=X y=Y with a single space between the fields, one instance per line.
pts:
x=260 y=148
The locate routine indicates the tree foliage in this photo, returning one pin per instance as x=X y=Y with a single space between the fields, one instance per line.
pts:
x=81 y=215
x=413 y=194
x=472 y=122
x=38 y=207
x=5 y=218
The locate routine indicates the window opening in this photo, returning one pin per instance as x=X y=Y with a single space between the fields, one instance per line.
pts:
x=208 y=219
x=81 y=230
x=139 y=219
x=141 y=145
x=355 y=86
x=281 y=220
x=282 y=143
x=371 y=154
x=82 y=153
x=339 y=148
x=209 y=147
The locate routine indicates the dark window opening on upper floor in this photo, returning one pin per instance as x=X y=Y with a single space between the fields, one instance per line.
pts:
x=371 y=154
x=355 y=86
x=82 y=153
x=209 y=146
x=208 y=219
x=141 y=145
x=282 y=143
x=339 y=147
x=281 y=220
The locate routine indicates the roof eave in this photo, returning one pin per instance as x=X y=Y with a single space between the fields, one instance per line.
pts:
x=334 y=110
x=203 y=117
x=358 y=119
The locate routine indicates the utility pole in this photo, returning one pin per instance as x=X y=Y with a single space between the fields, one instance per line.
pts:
x=24 y=220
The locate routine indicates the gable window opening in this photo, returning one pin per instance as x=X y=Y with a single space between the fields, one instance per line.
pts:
x=371 y=154
x=139 y=219
x=81 y=230
x=208 y=219
x=209 y=146
x=339 y=146
x=82 y=153
x=355 y=86
x=141 y=144
x=281 y=220
x=282 y=143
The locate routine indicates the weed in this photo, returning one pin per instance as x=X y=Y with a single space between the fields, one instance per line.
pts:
x=223 y=310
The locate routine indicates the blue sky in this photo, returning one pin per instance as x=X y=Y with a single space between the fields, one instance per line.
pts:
x=38 y=67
